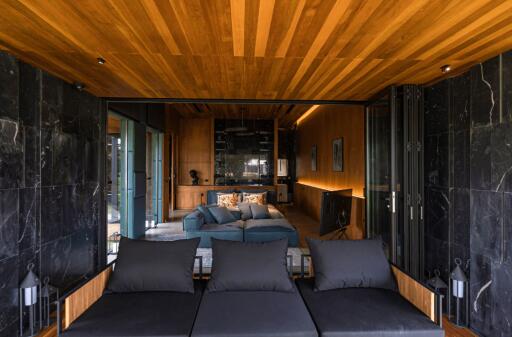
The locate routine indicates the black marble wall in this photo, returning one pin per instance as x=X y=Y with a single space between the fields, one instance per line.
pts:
x=50 y=155
x=468 y=179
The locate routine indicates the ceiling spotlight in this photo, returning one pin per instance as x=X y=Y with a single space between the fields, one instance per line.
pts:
x=101 y=60
x=79 y=86
x=446 y=68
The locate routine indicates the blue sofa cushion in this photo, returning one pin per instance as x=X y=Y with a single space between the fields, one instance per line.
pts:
x=208 y=218
x=259 y=211
x=222 y=215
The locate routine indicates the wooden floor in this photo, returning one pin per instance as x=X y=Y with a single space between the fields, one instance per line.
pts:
x=306 y=226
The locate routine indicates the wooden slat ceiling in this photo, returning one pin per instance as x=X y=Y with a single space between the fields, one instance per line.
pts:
x=268 y=49
x=286 y=114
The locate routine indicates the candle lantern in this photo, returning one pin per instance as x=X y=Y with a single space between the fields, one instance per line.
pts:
x=28 y=295
x=458 y=292
x=436 y=282
x=49 y=294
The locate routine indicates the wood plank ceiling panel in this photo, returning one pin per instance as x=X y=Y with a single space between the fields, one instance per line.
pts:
x=286 y=114
x=268 y=49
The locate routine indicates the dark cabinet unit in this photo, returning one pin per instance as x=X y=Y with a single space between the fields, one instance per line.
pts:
x=244 y=152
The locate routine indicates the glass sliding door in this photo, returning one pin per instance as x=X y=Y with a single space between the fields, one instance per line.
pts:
x=115 y=149
x=380 y=194
x=154 y=178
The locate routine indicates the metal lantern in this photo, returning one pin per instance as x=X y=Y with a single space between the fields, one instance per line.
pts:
x=28 y=292
x=48 y=292
x=458 y=291
x=436 y=282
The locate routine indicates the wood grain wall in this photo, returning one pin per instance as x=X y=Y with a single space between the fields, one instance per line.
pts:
x=309 y=199
x=325 y=124
x=195 y=150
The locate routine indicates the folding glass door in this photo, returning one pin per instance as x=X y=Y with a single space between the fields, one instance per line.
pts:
x=394 y=178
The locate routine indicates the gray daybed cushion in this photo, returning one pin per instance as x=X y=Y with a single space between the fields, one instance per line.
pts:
x=350 y=263
x=154 y=266
x=139 y=314
x=253 y=313
x=363 y=312
x=250 y=266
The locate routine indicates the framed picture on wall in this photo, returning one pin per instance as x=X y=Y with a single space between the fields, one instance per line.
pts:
x=313 y=158
x=337 y=155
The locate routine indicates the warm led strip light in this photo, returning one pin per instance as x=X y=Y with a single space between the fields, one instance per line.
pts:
x=307 y=113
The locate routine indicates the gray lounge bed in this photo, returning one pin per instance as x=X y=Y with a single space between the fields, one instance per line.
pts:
x=365 y=312
x=253 y=313
x=163 y=314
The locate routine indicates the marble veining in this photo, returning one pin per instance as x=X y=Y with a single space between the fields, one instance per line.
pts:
x=475 y=302
x=49 y=205
x=490 y=89
x=476 y=168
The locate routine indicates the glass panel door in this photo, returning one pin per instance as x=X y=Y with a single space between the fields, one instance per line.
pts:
x=379 y=192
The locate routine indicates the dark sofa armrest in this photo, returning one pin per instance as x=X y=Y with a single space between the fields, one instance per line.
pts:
x=419 y=294
x=193 y=221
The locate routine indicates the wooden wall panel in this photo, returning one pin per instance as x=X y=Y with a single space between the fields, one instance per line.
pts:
x=309 y=200
x=83 y=298
x=325 y=124
x=195 y=150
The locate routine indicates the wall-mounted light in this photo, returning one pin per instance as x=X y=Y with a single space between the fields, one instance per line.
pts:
x=101 y=60
x=446 y=68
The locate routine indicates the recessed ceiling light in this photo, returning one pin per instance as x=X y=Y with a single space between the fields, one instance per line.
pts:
x=101 y=60
x=446 y=68
x=79 y=86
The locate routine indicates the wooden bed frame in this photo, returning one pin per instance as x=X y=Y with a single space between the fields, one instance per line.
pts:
x=416 y=292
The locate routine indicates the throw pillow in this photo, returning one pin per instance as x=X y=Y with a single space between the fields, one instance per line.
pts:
x=350 y=264
x=259 y=211
x=245 y=209
x=249 y=266
x=257 y=198
x=204 y=210
x=222 y=215
x=154 y=266
x=227 y=199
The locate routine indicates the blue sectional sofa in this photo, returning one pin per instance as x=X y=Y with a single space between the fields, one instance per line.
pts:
x=251 y=230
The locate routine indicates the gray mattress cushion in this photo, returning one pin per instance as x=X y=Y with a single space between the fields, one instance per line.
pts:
x=253 y=313
x=358 y=312
x=139 y=314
